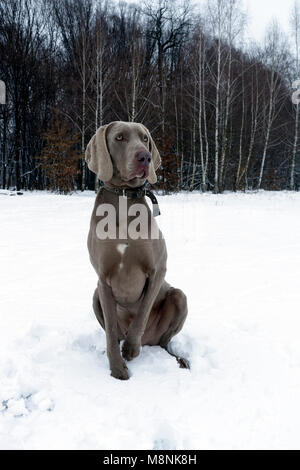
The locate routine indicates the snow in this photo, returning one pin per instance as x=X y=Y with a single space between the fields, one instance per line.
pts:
x=236 y=256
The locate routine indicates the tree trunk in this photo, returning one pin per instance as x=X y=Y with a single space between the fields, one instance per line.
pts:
x=295 y=147
x=217 y=121
x=83 y=111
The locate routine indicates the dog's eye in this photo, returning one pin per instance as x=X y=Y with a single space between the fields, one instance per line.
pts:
x=119 y=137
x=145 y=138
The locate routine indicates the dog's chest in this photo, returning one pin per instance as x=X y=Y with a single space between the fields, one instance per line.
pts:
x=130 y=271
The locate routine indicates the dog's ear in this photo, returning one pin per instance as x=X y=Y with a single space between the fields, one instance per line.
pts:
x=156 y=160
x=97 y=155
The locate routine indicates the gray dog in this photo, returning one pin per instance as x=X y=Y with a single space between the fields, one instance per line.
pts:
x=132 y=302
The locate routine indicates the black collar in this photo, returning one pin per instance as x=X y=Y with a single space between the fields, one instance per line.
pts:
x=136 y=193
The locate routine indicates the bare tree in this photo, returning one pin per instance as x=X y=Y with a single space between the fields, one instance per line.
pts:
x=74 y=20
x=295 y=24
x=198 y=67
x=233 y=25
x=217 y=23
x=135 y=88
x=253 y=105
x=275 y=49
x=168 y=23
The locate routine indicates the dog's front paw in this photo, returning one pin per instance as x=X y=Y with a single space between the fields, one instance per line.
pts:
x=130 y=350
x=120 y=371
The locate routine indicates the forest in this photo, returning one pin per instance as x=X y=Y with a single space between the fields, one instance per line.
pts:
x=218 y=105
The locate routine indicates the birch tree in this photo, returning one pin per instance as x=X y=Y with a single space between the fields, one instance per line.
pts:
x=215 y=10
x=100 y=68
x=168 y=23
x=199 y=117
x=74 y=21
x=295 y=25
x=254 y=114
x=233 y=25
x=274 y=51
x=136 y=70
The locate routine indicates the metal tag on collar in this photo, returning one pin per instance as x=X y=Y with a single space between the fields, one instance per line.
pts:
x=156 y=210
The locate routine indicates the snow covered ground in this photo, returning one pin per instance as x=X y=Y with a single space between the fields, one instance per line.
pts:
x=237 y=257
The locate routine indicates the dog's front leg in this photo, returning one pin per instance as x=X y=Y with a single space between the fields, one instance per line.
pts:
x=132 y=344
x=117 y=365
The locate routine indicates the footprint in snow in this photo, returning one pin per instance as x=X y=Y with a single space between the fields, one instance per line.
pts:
x=22 y=405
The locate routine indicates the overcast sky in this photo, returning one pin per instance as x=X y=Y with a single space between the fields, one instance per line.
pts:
x=261 y=13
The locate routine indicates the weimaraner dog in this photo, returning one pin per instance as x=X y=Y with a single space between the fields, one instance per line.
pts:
x=132 y=302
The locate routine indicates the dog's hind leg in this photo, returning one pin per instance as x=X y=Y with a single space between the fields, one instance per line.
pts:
x=98 y=309
x=173 y=314
x=168 y=317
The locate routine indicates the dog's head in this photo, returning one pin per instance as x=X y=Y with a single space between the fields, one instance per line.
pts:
x=124 y=154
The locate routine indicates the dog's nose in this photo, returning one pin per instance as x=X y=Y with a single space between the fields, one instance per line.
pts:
x=143 y=157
